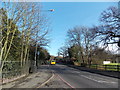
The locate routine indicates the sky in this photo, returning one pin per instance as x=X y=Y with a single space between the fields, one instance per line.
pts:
x=60 y=0
x=70 y=14
x=67 y=15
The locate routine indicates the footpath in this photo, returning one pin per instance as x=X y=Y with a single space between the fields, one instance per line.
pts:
x=31 y=81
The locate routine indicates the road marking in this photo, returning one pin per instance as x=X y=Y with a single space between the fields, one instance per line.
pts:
x=46 y=81
x=65 y=81
x=96 y=80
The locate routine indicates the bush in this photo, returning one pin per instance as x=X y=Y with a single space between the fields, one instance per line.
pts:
x=77 y=63
x=70 y=62
x=83 y=64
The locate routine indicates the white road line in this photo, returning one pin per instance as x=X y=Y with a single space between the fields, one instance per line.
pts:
x=97 y=80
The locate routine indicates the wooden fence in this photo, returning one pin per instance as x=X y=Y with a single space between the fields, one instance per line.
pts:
x=105 y=67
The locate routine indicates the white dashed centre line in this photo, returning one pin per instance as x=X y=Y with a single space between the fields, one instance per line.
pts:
x=100 y=81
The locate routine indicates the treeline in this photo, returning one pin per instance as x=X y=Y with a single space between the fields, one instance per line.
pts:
x=90 y=45
x=23 y=35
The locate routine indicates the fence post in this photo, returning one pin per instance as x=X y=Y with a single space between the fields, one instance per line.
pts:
x=105 y=66
x=96 y=66
x=118 y=68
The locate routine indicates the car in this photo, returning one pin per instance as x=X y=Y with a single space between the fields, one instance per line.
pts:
x=53 y=62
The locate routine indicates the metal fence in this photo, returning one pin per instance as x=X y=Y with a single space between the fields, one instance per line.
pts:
x=15 y=68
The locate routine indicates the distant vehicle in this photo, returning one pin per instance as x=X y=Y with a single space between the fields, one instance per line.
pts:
x=53 y=62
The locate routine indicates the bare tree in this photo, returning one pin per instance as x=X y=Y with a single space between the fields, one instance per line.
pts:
x=28 y=19
x=88 y=41
x=109 y=31
x=75 y=38
x=63 y=51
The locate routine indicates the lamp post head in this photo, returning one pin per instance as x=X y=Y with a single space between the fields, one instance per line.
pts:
x=51 y=10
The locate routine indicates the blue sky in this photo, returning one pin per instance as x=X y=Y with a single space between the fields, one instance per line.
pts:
x=70 y=14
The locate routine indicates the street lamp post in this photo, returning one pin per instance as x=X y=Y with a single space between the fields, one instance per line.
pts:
x=35 y=63
x=50 y=10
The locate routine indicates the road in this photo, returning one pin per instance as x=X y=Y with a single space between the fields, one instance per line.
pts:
x=63 y=77
x=81 y=79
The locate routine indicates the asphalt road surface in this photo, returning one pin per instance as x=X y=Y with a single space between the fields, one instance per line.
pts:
x=82 y=79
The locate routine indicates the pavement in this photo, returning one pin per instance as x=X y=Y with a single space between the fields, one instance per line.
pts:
x=44 y=78
x=31 y=81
